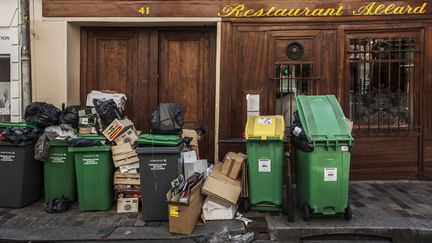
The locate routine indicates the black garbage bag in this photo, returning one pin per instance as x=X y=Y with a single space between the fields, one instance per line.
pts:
x=107 y=111
x=42 y=114
x=41 y=148
x=58 y=205
x=83 y=142
x=69 y=115
x=19 y=135
x=298 y=136
x=167 y=119
x=301 y=144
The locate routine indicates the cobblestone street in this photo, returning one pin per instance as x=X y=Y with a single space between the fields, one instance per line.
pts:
x=394 y=211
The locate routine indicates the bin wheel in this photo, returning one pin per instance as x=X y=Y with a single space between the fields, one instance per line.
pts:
x=306 y=212
x=348 y=213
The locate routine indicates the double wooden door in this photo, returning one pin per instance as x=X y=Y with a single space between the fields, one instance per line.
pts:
x=153 y=66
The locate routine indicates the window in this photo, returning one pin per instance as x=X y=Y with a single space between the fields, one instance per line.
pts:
x=382 y=74
x=292 y=80
x=5 y=77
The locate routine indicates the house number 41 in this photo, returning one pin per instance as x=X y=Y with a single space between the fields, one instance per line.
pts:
x=144 y=11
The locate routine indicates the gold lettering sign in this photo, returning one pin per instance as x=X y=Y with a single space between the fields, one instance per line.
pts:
x=368 y=9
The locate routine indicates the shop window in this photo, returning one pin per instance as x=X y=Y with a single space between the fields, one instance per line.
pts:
x=5 y=77
x=382 y=75
x=292 y=80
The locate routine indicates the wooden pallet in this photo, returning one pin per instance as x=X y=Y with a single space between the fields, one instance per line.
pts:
x=127 y=178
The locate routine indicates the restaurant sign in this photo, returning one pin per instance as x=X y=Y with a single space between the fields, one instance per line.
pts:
x=231 y=9
x=369 y=9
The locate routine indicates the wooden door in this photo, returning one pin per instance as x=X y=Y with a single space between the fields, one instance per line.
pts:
x=109 y=61
x=296 y=69
x=186 y=68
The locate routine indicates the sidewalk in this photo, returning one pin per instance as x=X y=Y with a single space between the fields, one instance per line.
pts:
x=397 y=211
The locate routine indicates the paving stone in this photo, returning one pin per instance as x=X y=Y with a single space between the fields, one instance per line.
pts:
x=139 y=223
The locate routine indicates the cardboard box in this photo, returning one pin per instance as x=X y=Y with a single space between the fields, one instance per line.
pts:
x=87 y=119
x=129 y=136
x=214 y=209
x=87 y=130
x=183 y=217
x=127 y=205
x=191 y=164
x=116 y=128
x=232 y=164
x=195 y=166
x=221 y=186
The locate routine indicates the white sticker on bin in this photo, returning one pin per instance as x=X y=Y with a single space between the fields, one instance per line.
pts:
x=264 y=120
x=330 y=174
x=264 y=165
x=344 y=148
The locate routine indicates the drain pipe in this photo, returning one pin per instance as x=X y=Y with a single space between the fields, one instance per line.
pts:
x=25 y=54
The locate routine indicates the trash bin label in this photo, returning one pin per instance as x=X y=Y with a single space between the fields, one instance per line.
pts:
x=344 y=148
x=7 y=156
x=264 y=165
x=330 y=174
x=264 y=120
x=91 y=159
x=157 y=164
x=174 y=212
x=58 y=158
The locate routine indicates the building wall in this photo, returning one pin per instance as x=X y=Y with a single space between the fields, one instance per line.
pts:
x=49 y=59
x=10 y=45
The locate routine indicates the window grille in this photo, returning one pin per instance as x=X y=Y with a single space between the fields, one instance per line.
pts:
x=382 y=76
x=292 y=79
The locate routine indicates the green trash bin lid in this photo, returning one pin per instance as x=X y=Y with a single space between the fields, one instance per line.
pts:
x=58 y=143
x=322 y=119
x=89 y=149
x=153 y=139
x=92 y=137
x=18 y=124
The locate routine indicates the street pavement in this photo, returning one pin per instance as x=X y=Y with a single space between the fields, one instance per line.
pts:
x=383 y=211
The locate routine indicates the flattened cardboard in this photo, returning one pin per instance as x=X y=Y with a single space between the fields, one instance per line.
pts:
x=183 y=217
x=232 y=164
x=221 y=186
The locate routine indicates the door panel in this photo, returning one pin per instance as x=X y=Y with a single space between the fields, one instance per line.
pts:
x=296 y=69
x=151 y=66
x=111 y=64
x=184 y=79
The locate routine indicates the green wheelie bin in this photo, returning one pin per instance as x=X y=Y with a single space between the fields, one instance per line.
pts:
x=265 y=136
x=323 y=174
x=59 y=172
x=94 y=176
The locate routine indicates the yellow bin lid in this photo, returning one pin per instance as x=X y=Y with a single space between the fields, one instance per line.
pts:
x=265 y=127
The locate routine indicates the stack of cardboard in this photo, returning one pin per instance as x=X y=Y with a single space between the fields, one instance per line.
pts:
x=124 y=157
x=87 y=120
x=126 y=177
x=223 y=188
